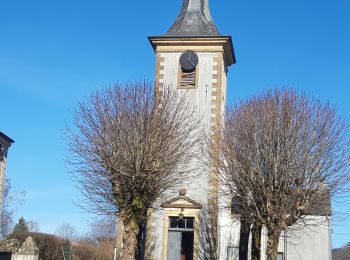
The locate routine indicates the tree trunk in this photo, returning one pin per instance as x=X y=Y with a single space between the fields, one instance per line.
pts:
x=244 y=240
x=141 y=241
x=272 y=244
x=130 y=241
x=256 y=242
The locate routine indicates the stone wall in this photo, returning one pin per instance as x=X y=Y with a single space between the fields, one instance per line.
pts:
x=10 y=245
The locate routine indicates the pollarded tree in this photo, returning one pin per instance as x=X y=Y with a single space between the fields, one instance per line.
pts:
x=282 y=155
x=130 y=146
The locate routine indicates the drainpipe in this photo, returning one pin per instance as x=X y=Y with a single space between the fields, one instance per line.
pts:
x=285 y=245
x=329 y=237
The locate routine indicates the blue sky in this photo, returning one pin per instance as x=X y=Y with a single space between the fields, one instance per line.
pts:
x=54 y=52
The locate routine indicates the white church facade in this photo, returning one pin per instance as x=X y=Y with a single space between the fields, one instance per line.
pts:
x=193 y=58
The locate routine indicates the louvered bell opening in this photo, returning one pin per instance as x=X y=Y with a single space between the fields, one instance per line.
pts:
x=188 y=79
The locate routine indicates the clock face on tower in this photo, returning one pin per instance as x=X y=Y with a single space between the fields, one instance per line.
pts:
x=188 y=60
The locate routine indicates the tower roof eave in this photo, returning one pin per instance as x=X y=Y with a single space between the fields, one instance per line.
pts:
x=224 y=40
x=5 y=137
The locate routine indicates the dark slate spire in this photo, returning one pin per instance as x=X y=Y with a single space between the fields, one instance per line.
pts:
x=193 y=20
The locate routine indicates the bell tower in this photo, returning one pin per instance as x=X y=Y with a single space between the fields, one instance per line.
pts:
x=192 y=58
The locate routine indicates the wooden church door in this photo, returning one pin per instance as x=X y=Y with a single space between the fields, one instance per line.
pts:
x=180 y=238
x=174 y=245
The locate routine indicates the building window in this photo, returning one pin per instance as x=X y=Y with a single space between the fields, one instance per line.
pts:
x=178 y=224
x=235 y=205
x=279 y=256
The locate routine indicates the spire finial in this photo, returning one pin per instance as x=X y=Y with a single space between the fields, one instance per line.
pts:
x=194 y=20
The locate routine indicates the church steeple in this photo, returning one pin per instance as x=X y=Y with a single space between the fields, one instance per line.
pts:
x=194 y=20
x=192 y=58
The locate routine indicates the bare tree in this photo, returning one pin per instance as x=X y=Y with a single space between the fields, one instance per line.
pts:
x=66 y=231
x=99 y=242
x=130 y=146
x=104 y=230
x=282 y=155
x=6 y=214
x=12 y=199
x=33 y=226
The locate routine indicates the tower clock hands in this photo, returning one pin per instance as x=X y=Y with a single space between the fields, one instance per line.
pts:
x=190 y=61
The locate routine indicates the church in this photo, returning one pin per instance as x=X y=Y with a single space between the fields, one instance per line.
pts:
x=193 y=58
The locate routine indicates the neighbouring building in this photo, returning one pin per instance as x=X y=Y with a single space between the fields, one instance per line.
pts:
x=342 y=253
x=5 y=143
x=193 y=58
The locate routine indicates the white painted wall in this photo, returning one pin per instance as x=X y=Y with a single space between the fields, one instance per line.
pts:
x=228 y=235
x=24 y=257
x=304 y=242
x=201 y=97
x=157 y=242
x=311 y=242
